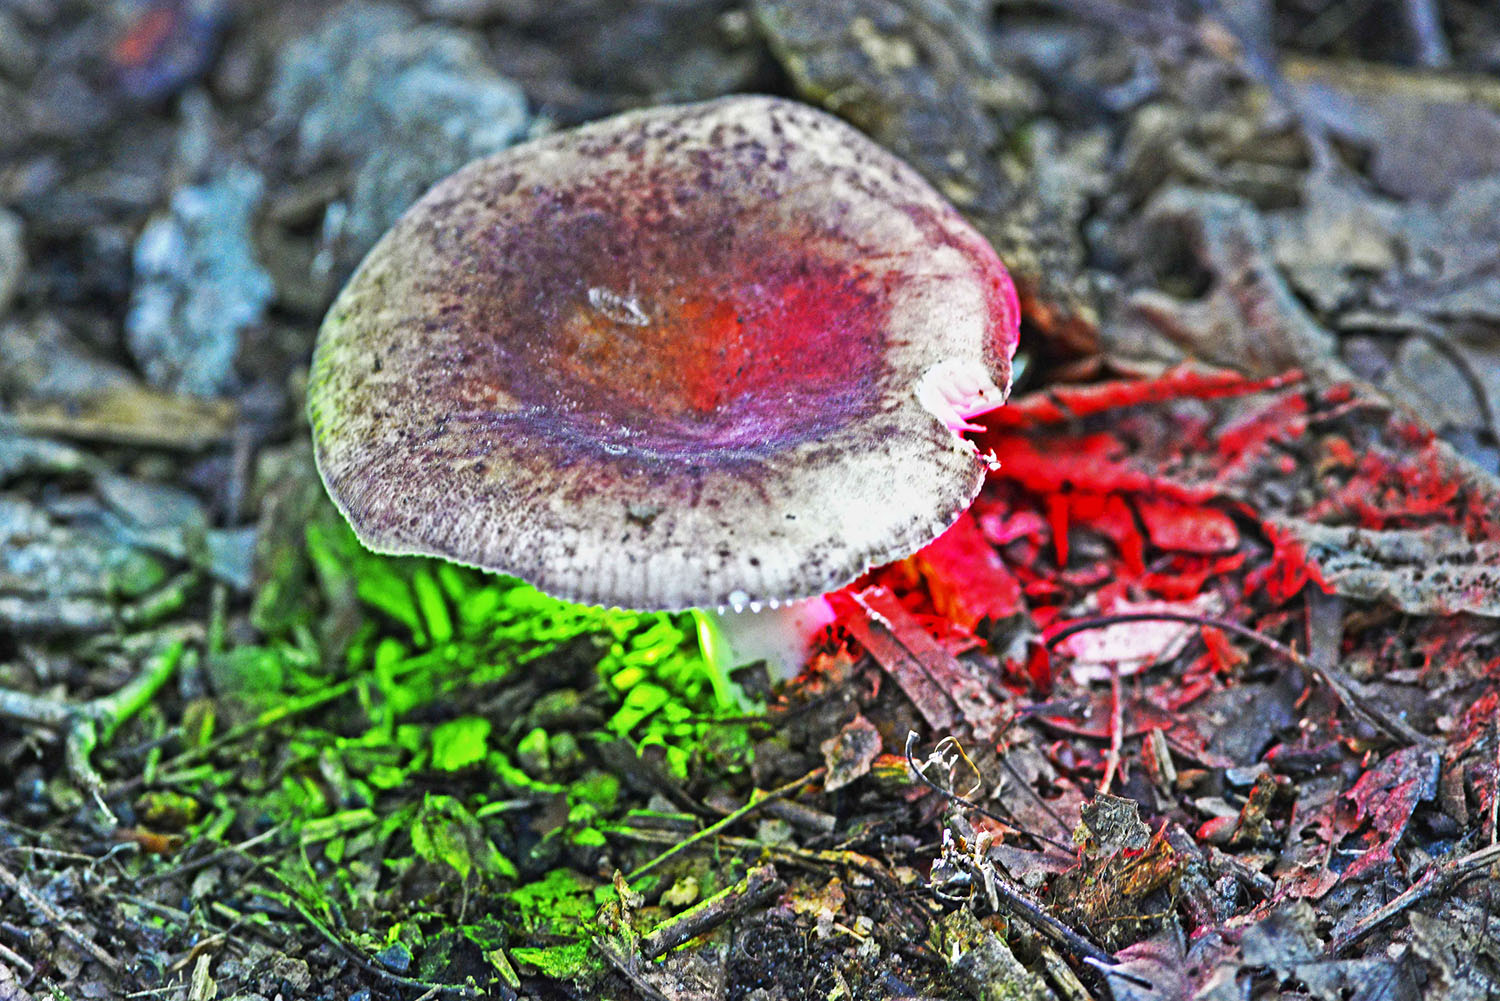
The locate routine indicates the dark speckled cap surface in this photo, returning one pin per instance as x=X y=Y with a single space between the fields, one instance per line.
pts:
x=711 y=354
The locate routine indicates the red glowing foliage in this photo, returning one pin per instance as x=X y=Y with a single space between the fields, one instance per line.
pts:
x=1180 y=577
x=1289 y=569
x=1187 y=528
x=1038 y=667
x=967 y=579
x=1072 y=402
x=1246 y=439
x=1225 y=655
x=1095 y=463
x=1389 y=491
x=1385 y=797
x=1110 y=498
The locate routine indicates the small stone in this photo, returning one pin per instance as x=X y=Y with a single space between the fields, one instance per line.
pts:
x=407 y=104
x=12 y=258
x=396 y=958
x=198 y=286
x=64 y=106
x=19 y=57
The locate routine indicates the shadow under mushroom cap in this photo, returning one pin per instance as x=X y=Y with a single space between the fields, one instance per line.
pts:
x=665 y=360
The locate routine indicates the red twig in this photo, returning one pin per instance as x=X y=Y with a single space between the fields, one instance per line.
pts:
x=1340 y=682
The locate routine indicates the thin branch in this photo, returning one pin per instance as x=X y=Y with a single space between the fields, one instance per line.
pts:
x=755 y=804
x=86 y=725
x=289 y=899
x=969 y=804
x=1343 y=685
x=1434 y=337
x=759 y=884
x=1437 y=877
x=1425 y=23
x=1116 y=729
x=1013 y=896
x=47 y=911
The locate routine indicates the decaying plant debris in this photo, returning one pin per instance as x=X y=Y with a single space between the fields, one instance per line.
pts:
x=1199 y=700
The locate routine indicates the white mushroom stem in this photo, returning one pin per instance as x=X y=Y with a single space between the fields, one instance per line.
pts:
x=780 y=636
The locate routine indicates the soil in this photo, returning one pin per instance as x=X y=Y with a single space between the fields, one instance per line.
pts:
x=1200 y=699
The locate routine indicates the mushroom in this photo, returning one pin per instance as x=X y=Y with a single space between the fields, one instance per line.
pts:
x=713 y=356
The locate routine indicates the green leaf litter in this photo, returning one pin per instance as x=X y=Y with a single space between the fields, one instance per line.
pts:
x=417 y=739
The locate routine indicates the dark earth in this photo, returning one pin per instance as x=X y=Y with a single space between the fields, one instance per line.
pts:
x=1200 y=699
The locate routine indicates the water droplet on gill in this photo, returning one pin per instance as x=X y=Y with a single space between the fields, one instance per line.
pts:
x=626 y=309
x=613 y=449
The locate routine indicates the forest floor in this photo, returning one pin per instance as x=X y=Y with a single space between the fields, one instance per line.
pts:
x=1201 y=699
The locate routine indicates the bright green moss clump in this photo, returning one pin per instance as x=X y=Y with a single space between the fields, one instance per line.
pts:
x=426 y=739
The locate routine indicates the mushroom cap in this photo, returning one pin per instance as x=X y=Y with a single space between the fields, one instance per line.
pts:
x=710 y=354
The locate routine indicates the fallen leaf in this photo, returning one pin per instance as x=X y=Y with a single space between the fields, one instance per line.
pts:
x=850 y=753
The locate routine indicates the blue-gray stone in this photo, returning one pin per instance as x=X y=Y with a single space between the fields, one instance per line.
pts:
x=404 y=104
x=198 y=286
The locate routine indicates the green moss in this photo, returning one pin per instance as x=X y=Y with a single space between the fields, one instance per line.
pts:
x=459 y=743
x=561 y=962
x=560 y=903
x=391 y=767
x=446 y=832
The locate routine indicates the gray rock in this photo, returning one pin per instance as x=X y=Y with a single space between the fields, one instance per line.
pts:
x=19 y=56
x=198 y=286
x=44 y=557
x=12 y=258
x=404 y=104
x=44 y=362
x=25 y=455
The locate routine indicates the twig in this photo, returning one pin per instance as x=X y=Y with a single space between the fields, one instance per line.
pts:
x=16 y=959
x=759 y=884
x=1014 y=896
x=1116 y=728
x=946 y=793
x=269 y=718
x=780 y=792
x=1495 y=788
x=288 y=899
x=87 y=725
x=1340 y=682
x=211 y=858
x=969 y=804
x=1426 y=27
x=47 y=911
x=1433 y=337
x=1042 y=804
x=627 y=965
x=815 y=860
x=1437 y=877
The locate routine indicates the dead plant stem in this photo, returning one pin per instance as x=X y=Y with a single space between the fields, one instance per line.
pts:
x=1116 y=729
x=1343 y=685
x=756 y=803
x=23 y=890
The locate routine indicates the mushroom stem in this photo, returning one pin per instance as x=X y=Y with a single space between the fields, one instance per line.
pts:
x=779 y=636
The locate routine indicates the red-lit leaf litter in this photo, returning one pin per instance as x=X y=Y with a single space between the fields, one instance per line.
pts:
x=701 y=355
x=1196 y=494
